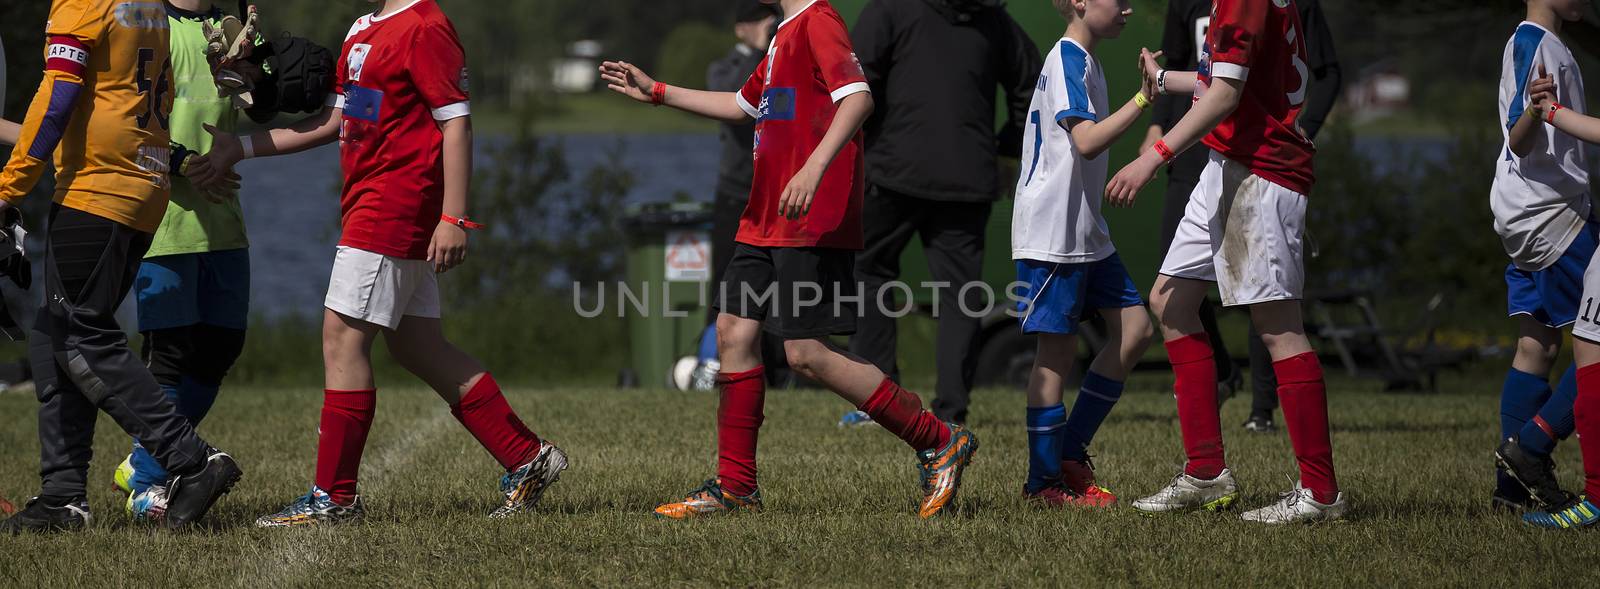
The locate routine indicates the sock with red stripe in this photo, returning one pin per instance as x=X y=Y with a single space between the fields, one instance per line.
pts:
x=346 y=419
x=1587 y=417
x=1195 y=386
x=900 y=411
x=1305 y=412
x=489 y=418
x=739 y=417
x=1553 y=423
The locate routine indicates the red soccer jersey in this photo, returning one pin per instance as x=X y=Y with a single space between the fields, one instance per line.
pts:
x=399 y=76
x=1260 y=42
x=793 y=94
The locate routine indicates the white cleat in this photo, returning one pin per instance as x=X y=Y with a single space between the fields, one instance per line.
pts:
x=1189 y=493
x=1298 y=506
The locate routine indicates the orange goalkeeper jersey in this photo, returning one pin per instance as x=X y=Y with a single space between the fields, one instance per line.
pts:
x=114 y=148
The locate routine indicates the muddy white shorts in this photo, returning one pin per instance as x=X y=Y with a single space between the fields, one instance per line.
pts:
x=1587 y=325
x=381 y=289
x=1243 y=233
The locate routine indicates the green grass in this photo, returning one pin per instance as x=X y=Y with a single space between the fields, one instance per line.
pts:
x=839 y=503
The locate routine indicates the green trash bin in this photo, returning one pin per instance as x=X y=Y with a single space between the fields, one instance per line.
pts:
x=667 y=290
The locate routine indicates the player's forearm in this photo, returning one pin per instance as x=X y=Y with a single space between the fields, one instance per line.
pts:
x=457 y=155
x=853 y=110
x=722 y=106
x=1218 y=102
x=1577 y=125
x=1093 y=137
x=313 y=131
x=9 y=132
x=1178 y=82
x=40 y=133
x=1524 y=133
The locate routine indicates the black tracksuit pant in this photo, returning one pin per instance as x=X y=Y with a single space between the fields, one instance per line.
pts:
x=952 y=237
x=81 y=359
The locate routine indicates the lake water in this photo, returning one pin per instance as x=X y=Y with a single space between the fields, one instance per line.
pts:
x=291 y=203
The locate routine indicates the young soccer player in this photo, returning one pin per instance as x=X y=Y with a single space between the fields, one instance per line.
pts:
x=102 y=109
x=194 y=284
x=1558 y=101
x=1065 y=255
x=1242 y=230
x=792 y=272
x=403 y=121
x=1542 y=211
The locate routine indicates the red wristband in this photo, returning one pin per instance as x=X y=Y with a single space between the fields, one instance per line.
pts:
x=1550 y=113
x=461 y=222
x=1166 y=152
x=658 y=94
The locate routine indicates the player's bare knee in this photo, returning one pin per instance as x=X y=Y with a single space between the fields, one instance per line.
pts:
x=1537 y=352
x=805 y=355
x=737 y=334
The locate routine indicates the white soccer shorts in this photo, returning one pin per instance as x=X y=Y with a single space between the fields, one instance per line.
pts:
x=1587 y=325
x=1242 y=232
x=381 y=289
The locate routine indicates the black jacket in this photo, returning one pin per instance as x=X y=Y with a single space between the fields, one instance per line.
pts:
x=1181 y=43
x=736 y=168
x=933 y=73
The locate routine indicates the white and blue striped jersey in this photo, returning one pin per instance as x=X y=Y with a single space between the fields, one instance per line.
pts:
x=1541 y=201
x=1057 y=214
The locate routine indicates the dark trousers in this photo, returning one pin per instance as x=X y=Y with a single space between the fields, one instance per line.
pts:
x=952 y=236
x=1264 y=382
x=81 y=359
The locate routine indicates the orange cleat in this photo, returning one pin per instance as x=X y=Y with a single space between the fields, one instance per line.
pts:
x=941 y=471
x=709 y=499
x=1078 y=477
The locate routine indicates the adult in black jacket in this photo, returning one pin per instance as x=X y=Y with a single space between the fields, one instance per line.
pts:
x=753 y=25
x=931 y=146
x=1185 y=35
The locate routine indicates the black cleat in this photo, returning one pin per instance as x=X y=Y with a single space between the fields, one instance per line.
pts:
x=190 y=496
x=1502 y=502
x=1260 y=425
x=1536 y=473
x=42 y=517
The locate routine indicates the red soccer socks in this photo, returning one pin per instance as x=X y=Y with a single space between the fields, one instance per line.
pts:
x=489 y=418
x=346 y=418
x=1305 y=412
x=739 y=419
x=1195 y=386
x=1586 y=413
x=900 y=411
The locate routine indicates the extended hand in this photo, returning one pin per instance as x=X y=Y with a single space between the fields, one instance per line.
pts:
x=210 y=172
x=1542 y=93
x=1148 y=70
x=627 y=79
x=1125 y=186
x=448 y=248
x=796 y=199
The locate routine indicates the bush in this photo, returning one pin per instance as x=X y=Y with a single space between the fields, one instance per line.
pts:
x=688 y=50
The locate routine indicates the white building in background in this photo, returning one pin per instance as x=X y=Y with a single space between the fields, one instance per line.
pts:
x=578 y=71
x=1379 y=91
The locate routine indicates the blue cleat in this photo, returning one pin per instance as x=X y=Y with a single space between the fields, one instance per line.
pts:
x=1577 y=513
x=855 y=419
x=313 y=508
x=149 y=506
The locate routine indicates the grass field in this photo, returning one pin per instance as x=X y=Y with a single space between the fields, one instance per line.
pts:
x=839 y=503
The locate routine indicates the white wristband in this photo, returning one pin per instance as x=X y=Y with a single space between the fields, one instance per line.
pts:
x=1161 y=82
x=248 y=146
